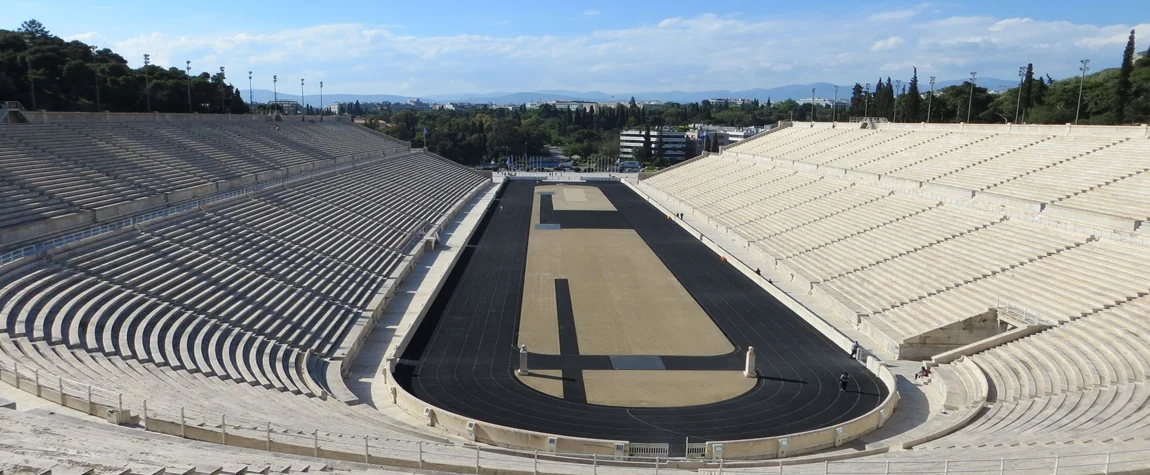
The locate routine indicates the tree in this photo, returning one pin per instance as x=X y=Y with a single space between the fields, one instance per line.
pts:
x=888 y=95
x=33 y=30
x=858 y=101
x=660 y=154
x=647 y=151
x=1122 y=88
x=68 y=75
x=913 y=102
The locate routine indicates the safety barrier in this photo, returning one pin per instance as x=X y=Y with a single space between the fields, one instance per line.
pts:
x=1137 y=131
x=696 y=450
x=239 y=431
x=649 y=450
x=44 y=117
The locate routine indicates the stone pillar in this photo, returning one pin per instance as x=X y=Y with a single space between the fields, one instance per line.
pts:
x=523 y=371
x=749 y=369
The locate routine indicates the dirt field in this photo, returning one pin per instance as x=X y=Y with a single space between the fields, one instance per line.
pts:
x=546 y=381
x=576 y=198
x=663 y=388
x=647 y=388
x=625 y=301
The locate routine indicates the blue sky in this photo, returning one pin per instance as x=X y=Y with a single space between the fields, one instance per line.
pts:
x=438 y=47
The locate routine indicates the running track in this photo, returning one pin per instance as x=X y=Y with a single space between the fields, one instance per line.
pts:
x=463 y=356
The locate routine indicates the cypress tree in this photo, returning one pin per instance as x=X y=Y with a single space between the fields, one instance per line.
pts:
x=857 y=98
x=647 y=142
x=913 y=100
x=1027 y=86
x=878 y=102
x=1122 y=89
x=888 y=99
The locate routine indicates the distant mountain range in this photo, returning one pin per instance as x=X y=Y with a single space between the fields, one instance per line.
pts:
x=781 y=93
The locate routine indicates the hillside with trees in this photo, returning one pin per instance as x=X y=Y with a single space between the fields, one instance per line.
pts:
x=43 y=71
x=1117 y=96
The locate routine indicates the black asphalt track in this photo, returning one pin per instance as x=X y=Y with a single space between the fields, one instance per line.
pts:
x=463 y=356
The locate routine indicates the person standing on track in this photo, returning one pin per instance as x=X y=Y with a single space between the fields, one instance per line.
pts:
x=854 y=349
x=843 y=380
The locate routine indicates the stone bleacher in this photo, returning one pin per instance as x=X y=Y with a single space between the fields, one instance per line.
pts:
x=904 y=265
x=1081 y=381
x=236 y=307
x=908 y=262
x=57 y=177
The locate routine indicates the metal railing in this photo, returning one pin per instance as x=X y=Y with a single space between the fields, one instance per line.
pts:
x=1018 y=313
x=238 y=430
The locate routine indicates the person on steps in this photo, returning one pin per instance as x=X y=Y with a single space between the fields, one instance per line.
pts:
x=854 y=350
x=923 y=373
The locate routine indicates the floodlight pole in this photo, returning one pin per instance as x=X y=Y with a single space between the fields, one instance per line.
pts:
x=321 y=101
x=275 y=93
x=970 y=101
x=250 y=92
x=812 y=107
x=1018 y=105
x=302 y=110
x=188 y=69
x=898 y=92
x=28 y=62
x=223 y=89
x=147 y=82
x=1081 y=79
x=835 y=107
x=97 y=89
x=930 y=100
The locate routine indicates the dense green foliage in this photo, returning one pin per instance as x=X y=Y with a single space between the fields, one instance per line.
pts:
x=476 y=136
x=73 y=76
x=1109 y=97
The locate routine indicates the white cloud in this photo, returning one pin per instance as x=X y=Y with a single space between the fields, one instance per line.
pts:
x=902 y=14
x=91 y=38
x=686 y=53
x=892 y=15
x=590 y=12
x=886 y=44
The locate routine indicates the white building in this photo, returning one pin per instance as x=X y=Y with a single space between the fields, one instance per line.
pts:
x=726 y=135
x=823 y=102
x=674 y=144
x=572 y=105
x=418 y=104
x=461 y=106
x=286 y=106
x=726 y=101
